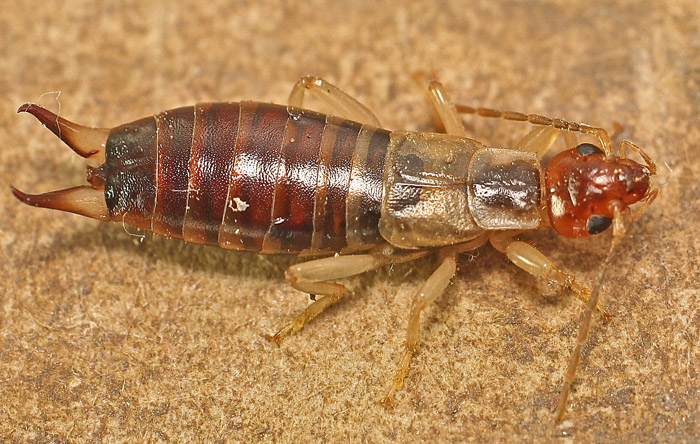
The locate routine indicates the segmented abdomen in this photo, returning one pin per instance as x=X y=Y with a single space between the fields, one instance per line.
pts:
x=249 y=176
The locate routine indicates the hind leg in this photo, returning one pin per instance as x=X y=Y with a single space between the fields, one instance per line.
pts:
x=314 y=277
x=344 y=104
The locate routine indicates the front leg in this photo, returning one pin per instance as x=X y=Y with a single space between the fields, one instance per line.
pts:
x=530 y=259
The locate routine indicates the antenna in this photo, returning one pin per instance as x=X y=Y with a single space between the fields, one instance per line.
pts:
x=585 y=327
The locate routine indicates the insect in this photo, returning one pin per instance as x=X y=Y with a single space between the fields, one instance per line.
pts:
x=282 y=179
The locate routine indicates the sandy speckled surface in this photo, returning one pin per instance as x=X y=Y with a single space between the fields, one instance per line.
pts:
x=104 y=338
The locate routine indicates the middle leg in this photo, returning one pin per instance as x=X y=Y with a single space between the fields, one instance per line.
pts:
x=442 y=110
x=431 y=289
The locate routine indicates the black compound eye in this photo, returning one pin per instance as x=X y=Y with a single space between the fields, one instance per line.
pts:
x=598 y=224
x=586 y=149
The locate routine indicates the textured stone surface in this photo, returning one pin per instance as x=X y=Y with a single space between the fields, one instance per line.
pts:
x=107 y=338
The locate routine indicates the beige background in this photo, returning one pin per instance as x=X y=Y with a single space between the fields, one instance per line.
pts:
x=105 y=338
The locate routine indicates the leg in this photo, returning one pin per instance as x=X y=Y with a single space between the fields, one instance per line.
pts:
x=442 y=106
x=530 y=259
x=339 y=100
x=442 y=111
x=539 y=140
x=433 y=287
x=570 y=140
x=445 y=115
x=313 y=277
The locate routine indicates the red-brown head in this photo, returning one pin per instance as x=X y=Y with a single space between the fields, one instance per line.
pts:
x=584 y=187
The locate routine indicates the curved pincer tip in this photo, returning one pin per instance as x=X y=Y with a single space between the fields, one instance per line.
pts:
x=24 y=197
x=23 y=108
x=86 y=142
x=49 y=119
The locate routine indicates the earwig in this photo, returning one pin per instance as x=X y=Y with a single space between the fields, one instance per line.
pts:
x=282 y=179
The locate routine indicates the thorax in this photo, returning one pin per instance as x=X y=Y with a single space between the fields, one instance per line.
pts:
x=443 y=190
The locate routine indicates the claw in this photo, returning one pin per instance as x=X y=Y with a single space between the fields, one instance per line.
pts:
x=86 y=142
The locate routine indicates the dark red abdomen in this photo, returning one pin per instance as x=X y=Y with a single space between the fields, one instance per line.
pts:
x=249 y=176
